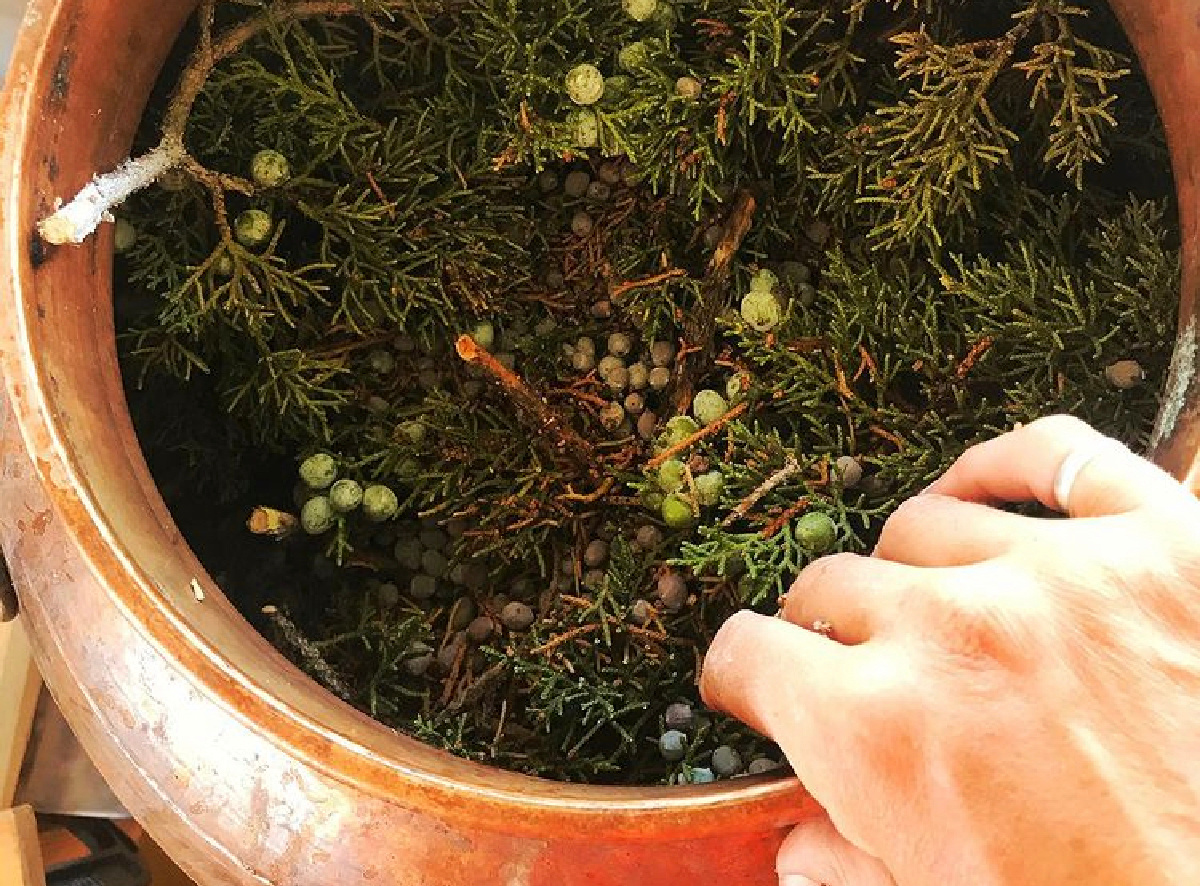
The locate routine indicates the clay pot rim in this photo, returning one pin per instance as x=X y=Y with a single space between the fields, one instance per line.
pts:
x=734 y=806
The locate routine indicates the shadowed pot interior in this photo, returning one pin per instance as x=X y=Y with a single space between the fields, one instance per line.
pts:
x=241 y=767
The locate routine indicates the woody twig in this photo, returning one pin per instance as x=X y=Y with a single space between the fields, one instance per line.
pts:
x=550 y=430
x=699 y=330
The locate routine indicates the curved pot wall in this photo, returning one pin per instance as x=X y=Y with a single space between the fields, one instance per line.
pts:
x=243 y=769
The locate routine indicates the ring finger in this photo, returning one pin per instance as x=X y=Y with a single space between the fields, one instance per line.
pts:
x=856 y=597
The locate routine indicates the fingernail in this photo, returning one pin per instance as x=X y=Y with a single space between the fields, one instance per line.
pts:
x=796 y=880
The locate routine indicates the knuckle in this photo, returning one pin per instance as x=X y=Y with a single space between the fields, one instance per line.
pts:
x=1149 y=571
x=824 y=571
x=1172 y=526
x=912 y=514
x=1184 y=561
x=1061 y=425
x=883 y=693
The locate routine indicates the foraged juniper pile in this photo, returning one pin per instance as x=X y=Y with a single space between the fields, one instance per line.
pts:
x=545 y=335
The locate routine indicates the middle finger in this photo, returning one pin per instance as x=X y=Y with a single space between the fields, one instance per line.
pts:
x=941 y=531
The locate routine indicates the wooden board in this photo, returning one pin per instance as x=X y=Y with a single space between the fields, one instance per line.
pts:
x=163 y=871
x=19 y=852
x=19 y=687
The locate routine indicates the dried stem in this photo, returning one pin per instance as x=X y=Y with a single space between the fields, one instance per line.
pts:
x=73 y=222
x=620 y=289
x=559 y=640
x=314 y=661
x=736 y=228
x=690 y=441
x=551 y=430
x=977 y=351
x=211 y=54
x=589 y=498
x=469 y=695
x=783 y=519
x=790 y=468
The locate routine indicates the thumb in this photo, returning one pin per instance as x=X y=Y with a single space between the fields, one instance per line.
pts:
x=815 y=854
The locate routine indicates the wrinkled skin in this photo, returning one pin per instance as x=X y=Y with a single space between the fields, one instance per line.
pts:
x=1005 y=700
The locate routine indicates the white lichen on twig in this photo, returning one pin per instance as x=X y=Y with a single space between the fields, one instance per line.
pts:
x=309 y=653
x=77 y=220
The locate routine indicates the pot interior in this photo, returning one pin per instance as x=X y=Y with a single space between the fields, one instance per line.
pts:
x=80 y=107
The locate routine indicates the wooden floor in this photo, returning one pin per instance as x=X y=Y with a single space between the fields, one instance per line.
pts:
x=19 y=687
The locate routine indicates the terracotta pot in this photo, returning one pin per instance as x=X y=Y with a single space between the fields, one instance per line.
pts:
x=243 y=769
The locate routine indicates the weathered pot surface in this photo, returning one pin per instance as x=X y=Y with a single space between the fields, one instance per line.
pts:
x=242 y=768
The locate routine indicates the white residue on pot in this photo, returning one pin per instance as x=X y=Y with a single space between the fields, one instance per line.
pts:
x=1179 y=379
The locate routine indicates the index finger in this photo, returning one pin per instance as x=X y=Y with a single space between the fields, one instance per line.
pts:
x=783 y=680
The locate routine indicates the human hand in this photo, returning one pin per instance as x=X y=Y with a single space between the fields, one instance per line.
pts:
x=1004 y=699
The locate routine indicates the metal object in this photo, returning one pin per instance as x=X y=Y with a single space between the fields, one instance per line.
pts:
x=57 y=777
x=244 y=770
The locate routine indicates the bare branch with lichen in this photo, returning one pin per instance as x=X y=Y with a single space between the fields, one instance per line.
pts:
x=78 y=219
x=75 y=222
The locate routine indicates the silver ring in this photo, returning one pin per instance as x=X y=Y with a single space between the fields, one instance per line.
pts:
x=1072 y=466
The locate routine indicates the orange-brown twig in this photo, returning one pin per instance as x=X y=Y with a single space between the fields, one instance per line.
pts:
x=588 y=498
x=867 y=364
x=387 y=204
x=843 y=387
x=895 y=440
x=619 y=289
x=823 y=472
x=736 y=228
x=713 y=27
x=549 y=428
x=582 y=396
x=980 y=348
x=723 y=107
x=808 y=345
x=707 y=431
x=782 y=520
x=578 y=602
x=570 y=635
x=647 y=634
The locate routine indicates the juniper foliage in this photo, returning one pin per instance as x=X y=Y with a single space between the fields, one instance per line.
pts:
x=966 y=206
